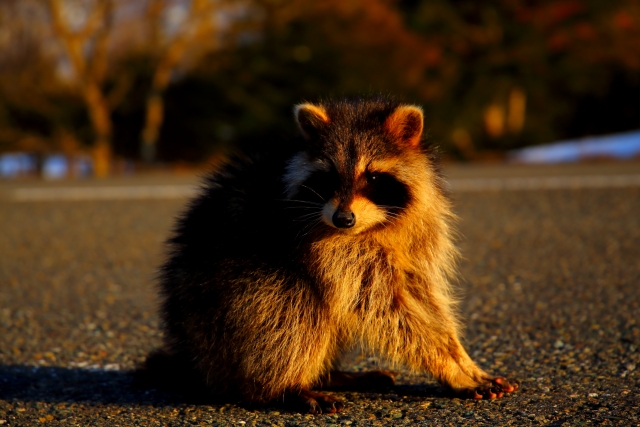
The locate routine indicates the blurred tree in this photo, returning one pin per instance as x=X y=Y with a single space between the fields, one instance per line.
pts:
x=488 y=73
x=87 y=48
x=31 y=96
x=279 y=53
x=193 y=76
x=515 y=72
x=196 y=29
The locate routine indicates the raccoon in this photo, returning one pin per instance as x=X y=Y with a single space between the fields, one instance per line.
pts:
x=287 y=260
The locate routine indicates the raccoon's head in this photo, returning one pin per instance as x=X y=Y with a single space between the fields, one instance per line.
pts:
x=364 y=165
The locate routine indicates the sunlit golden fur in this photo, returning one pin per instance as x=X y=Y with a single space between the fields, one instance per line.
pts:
x=265 y=327
x=390 y=286
x=314 y=112
x=405 y=124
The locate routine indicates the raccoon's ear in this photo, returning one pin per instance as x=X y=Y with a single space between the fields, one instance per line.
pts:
x=311 y=118
x=404 y=125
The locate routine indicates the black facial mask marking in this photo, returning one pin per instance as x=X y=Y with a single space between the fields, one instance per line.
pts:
x=386 y=191
x=381 y=189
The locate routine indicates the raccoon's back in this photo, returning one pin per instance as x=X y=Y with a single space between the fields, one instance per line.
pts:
x=239 y=212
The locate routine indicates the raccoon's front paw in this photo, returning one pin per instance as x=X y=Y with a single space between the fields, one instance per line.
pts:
x=492 y=389
x=314 y=403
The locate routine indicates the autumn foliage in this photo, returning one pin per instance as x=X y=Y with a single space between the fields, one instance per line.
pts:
x=180 y=79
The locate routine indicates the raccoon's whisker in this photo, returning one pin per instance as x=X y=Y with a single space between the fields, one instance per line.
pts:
x=302 y=207
x=302 y=224
x=301 y=220
x=308 y=216
x=314 y=191
x=392 y=208
x=395 y=211
x=315 y=212
x=315 y=225
x=392 y=218
x=391 y=221
x=312 y=223
x=302 y=201
x=309 y=227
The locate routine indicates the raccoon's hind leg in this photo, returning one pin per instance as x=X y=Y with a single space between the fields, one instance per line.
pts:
x=312 y=402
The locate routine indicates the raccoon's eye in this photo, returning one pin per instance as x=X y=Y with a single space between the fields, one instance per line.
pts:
x=386 y=191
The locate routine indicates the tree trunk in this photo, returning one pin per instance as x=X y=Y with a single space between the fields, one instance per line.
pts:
x=90 y=72
x=101 y=121
x=151 y=131
x=197 y=26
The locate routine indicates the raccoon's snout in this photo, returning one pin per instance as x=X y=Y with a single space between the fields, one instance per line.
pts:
x=344 y=219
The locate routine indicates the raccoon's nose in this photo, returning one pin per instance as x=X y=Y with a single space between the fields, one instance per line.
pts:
x=344 y=219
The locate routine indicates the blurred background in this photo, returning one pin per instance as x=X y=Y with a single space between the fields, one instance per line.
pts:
x=109 y=87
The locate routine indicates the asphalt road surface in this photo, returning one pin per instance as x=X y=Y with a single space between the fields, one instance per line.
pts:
x=551 y=297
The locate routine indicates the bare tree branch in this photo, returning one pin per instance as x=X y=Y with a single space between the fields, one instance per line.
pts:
x=197 y=26
x=90 y=74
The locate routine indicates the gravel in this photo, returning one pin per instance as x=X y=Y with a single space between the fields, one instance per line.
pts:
x=550 y=296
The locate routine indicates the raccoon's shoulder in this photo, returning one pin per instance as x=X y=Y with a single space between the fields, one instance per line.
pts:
x=235 y=199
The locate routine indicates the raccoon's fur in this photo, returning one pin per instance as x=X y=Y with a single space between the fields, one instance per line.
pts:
x=285 y=261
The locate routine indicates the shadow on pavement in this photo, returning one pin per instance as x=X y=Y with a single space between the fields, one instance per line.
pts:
x=57 y=384
x=420 y=390
x=68 y=385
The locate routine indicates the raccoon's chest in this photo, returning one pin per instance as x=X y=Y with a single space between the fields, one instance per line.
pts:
x=354 y=275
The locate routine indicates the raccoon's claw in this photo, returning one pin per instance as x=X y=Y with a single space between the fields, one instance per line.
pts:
x=506 y=385
x=317 y=403
x=331 y=407
x=494 y=389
